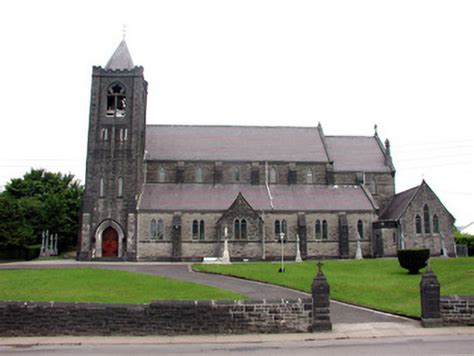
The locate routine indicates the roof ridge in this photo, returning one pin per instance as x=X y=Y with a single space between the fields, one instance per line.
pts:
x=238 y=126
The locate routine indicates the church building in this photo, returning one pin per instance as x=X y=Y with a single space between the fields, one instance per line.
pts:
x=176 y=193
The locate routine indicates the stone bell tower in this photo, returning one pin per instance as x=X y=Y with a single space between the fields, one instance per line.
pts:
x=115 y=152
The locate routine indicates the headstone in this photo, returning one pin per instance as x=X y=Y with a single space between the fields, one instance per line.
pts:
x=55 y=250
x=321 y=307
x=430 y=299
x=43 y=246
x=298 y=253
x=461 y=250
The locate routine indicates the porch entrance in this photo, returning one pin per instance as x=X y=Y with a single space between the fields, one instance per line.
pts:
x=110 y=245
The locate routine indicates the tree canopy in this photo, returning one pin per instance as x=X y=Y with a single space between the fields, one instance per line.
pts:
x=39 y=201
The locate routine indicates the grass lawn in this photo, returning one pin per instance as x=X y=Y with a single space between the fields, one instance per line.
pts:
x=377 y=283
x=98 y=285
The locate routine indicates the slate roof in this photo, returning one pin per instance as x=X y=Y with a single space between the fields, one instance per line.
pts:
x=234 y=143
x=356 y=153
x=204 y=197
x=121 y=59
x=398 y=205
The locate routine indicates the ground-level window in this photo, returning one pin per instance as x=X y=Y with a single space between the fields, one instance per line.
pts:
x=198 y=230
x=360 y=228
x=240 y=229
x=153 y=229
x=418 y=224
x=157 y=229
x=325 y=230
x=280 y=227
x=435 y=224
x=426 y=219
x=317 y=230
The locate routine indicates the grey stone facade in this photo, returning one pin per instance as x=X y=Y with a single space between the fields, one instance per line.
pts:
x=157 y=193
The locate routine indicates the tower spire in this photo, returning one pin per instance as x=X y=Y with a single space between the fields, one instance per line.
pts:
x=121 y=58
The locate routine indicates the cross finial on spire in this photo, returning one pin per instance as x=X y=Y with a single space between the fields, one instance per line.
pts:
x=124 y=32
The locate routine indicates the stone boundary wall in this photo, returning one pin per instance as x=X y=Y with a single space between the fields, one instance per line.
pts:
x=457 y=310
x=156 y=318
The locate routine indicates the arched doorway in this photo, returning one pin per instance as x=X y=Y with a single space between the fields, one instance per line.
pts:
x=110 y=242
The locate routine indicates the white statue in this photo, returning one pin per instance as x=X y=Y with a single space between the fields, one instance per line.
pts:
x=225 y=255
x=298 y=253
x=358 y=249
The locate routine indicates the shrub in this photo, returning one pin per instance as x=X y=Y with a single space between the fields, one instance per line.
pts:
x=413 y=259
x=31 y=252
x=465 y=239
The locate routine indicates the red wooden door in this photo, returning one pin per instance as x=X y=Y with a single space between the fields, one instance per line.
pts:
x=109 y=243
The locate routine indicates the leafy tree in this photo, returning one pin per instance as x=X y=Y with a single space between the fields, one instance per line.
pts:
x=15 y=233
x=46 y=201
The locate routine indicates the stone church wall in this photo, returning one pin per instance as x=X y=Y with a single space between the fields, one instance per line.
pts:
x=157 y=318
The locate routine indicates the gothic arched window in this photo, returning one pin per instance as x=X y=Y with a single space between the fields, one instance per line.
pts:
x=360 y=228
x=237 y=229
x=273 y=175
x=243 y=229
x=309 y=176
x=201 y=230
x=317 y=230
x=426 y=219
x=280 y=227
x=325 y=230
x=160 y=230
x=198 y=230
x=161 y=175
x=418 y=224
x=435 y=224
x=198 y=175
x=153 y=229
x=195 y=231
x=116 y=100
x=277 y=228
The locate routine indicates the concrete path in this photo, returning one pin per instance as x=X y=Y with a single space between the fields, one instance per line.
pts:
x=340 y=312
x=340 y=333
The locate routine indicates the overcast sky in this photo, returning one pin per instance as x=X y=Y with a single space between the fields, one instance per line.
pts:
x=407 y=66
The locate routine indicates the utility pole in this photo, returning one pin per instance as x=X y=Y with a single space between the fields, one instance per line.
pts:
x=282 y=239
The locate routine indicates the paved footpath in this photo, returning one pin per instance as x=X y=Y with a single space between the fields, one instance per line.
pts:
x=341 y=313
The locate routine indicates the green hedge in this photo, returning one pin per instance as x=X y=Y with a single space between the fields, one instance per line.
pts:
x=413 y=259
x=31 y=252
